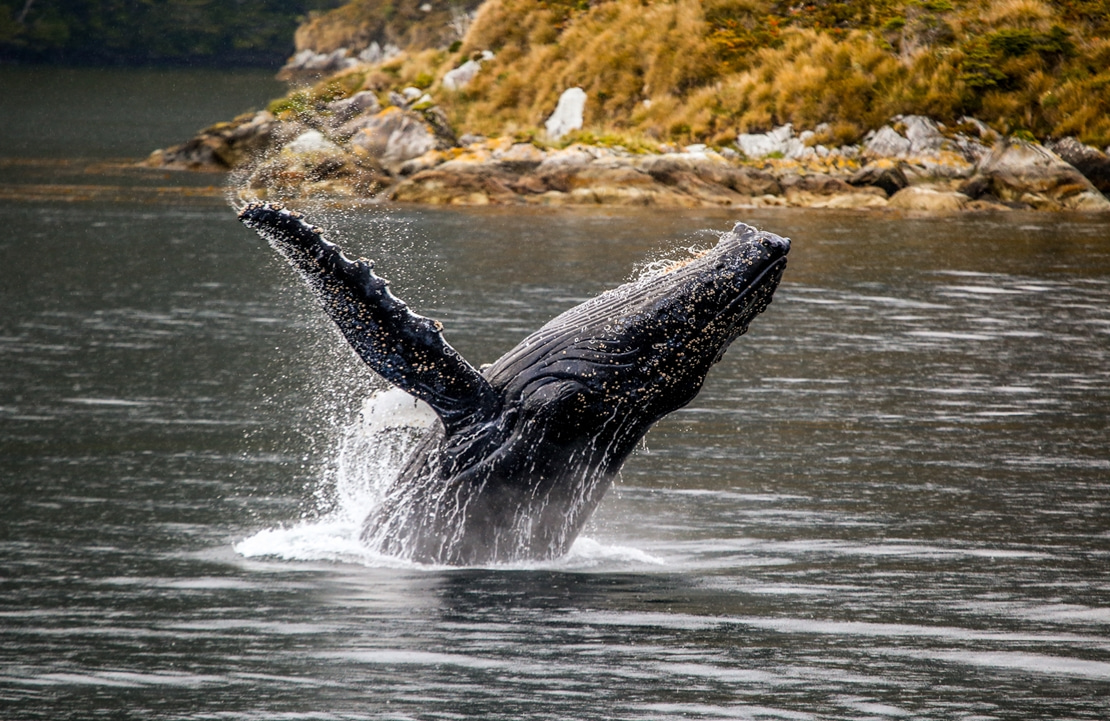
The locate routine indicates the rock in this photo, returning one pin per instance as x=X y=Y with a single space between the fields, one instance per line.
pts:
x=852 y=201
x=886 y=142
x=560 y=165
x=979 y=129
x=461 y=76
x=987 y=205
x=890 y=178
x=1030 y=174
x=1094 y=164
x=760 y=145
x=311 y=141
x=394 y=136
x=221 y=146
x=923 y=133
x=922 y=139
x=972 y=150
x=601 y=174
x=375 y=53
x=311 y=63
x=427 y=161
x=702 y=178
x=943 y=165
x=807 y=190
x=630 y=196
x=780 y=142
x=520 y=157
x=676 y=169
x=358 y=104
x=454 y=187
x=917 y=197
x=1090 y=200
x=440 y=126
x=815 y=183
x=568 y=113
x=312 y=164
x=978 y=145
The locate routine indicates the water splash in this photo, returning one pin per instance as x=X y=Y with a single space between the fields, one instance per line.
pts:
x=371 y=451
x=663 y=265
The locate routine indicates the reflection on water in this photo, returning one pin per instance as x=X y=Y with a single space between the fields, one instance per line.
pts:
x=890 y=499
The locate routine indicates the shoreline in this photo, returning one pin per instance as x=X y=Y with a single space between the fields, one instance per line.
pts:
x=405 y=154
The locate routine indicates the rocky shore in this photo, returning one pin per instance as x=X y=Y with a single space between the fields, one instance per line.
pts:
x=354 y=149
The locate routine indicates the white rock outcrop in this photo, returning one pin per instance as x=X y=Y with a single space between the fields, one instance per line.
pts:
x=568 y=113
x=461 y=76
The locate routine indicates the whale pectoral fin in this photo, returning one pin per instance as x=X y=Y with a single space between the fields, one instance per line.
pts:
x=406 y=349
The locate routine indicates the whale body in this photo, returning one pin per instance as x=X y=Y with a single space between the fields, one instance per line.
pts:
x=526 y=448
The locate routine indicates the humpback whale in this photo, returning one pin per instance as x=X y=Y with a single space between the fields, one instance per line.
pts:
x=526 y=447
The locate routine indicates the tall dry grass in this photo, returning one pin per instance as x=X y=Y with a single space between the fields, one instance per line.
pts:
x=688 y=71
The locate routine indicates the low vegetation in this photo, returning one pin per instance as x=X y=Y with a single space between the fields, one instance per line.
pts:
x=682 y=71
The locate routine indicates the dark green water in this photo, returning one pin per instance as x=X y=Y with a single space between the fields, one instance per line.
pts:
x=891 y=500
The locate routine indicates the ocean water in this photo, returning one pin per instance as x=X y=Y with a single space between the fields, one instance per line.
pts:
x=890 y=500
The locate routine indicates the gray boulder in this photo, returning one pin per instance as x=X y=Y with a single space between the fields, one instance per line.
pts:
x=461 y=76
x=920 y=136
x=375 y=53
x=223 y=145
x=928 y=199
x=708 y=176
x=312 y=165
x=923 y=133
x=760 y=145
x=313 y=64
x=886 y=142
x=1017 y=171
x=520 y=158
x=890 y=179
x=358 y=104
x=1093 y=163
x=394 y=136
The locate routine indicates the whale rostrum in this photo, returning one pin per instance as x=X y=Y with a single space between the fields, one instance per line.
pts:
x=528 y=446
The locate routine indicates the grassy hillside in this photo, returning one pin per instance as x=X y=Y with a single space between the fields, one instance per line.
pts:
x=708 y=70
x=686 y=71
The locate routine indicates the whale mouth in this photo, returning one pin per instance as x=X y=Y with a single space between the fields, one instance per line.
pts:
x=742 y=309
x=758 y=283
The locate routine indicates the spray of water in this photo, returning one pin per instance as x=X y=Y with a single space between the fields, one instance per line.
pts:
x=666 y=260
x=370 y=453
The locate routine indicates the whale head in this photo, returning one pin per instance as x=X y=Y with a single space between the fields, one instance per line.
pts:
x=634 y=354
x=576 y=397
